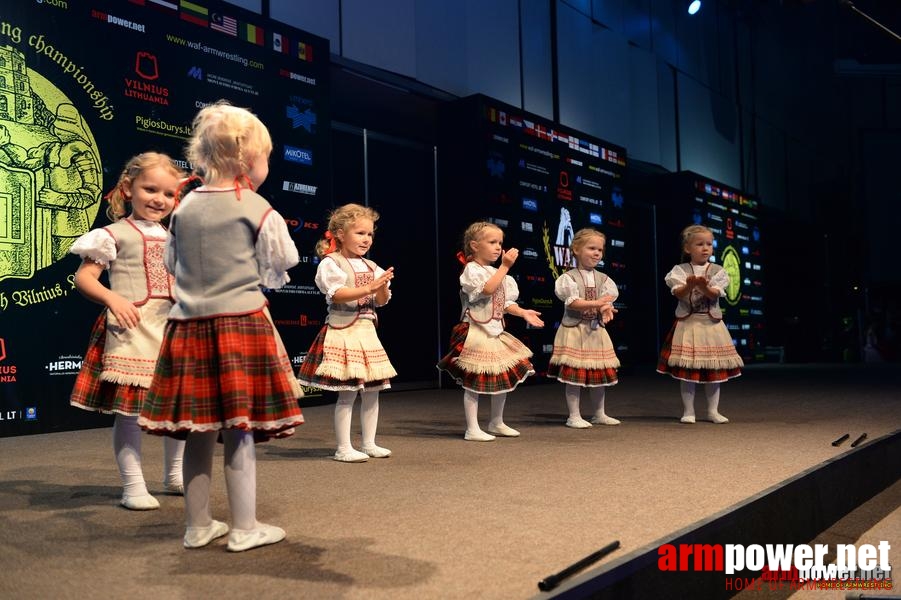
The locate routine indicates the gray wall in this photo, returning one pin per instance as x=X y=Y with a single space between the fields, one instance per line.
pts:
x=744 y=92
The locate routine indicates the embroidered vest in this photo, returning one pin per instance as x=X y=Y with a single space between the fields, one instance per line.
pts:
x=345 y=314
x=138 y=273
x=217 y=271
x=572 y=317
x=698 y=303
x=486 y=308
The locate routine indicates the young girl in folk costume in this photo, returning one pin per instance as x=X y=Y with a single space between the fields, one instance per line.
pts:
x=583 y=355
x=485 y=359
x=698 y=348
x=347 y=356
x=222 y=368
x=126 y=338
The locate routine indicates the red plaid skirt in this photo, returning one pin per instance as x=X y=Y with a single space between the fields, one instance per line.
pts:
x=482 y=383
x=687 y=373
x=90 y=393
x=222 y=373
x=581 y=376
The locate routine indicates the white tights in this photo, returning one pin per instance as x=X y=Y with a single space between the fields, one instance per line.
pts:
x=240 y=477
x=369 y=418
x=127 y=438
x=687 y=390
x=471 y=410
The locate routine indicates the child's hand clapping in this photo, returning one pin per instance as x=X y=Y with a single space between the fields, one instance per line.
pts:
x=509 y=257
x=381 y=281
x=532 y=317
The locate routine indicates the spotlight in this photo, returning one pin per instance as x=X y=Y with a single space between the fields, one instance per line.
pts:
x=694 y=6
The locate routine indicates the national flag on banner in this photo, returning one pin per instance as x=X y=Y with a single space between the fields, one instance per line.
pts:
x=280 y=43
x=163 y=5
x=305 y=51
x=224 y=23
x=194 y=13
x=251 y=33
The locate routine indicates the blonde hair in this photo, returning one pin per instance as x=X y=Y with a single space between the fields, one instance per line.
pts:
x=473 y=233
x=131 y=171
x=342 y=219
x=689 y=232
x=583 y=235
x=224 y=139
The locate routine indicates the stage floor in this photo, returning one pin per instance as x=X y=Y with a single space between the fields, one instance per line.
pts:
x=441 y=518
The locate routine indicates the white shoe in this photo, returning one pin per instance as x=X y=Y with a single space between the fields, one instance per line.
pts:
x=376 y=451
x=688 y=419
x=503 y=431
x=717 y=418
x=350 y=456
x=578 y=423
x=477 y=436
x=198 y=537
x=240 y=540
x=145 y=502
x=604 y=420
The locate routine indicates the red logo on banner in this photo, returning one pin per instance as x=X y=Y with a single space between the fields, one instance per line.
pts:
x=146 y=65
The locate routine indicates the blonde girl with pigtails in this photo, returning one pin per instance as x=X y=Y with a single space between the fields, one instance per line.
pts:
x=347 y=356
x=223 y=372
x=121 y=357
x=698 y=348
x=484 y=359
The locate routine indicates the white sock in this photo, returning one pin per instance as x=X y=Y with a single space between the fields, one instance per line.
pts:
x=471 y=410
x=369 y=417
x=127 y=447
x=598 y=395
x=687 y=389
x=173 y=461
x=198 y=473
x=344 y=410
x=241 y=477
x=573 y=397
x=497 y=409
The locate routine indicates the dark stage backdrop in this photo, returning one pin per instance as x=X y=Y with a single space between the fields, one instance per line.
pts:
x=687 y=198
x=540 y=183
x=83 y=87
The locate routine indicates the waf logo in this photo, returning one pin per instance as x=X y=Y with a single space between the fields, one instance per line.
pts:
x=559 y=255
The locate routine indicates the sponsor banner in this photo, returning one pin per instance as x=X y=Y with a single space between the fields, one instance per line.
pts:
x=93 y=109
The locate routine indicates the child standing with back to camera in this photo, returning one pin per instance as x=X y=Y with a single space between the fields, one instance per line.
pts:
x=347 y=356
x=222 y=368
x=485 y=359
x=584 y=356
x=121 y=356
x=698 y=348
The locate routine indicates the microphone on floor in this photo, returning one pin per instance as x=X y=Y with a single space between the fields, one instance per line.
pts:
x=552 y=581
x=841 y=440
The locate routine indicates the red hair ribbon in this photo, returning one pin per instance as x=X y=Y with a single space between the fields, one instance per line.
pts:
x=462 y=258
x=242 y=178
x=179 y=191
x=332 y=244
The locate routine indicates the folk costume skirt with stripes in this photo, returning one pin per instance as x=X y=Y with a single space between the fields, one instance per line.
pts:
x=119 y=363
x=583 y=356
x=699 y=349
x=347 y=359
x=486 y=364
x=223 y=373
